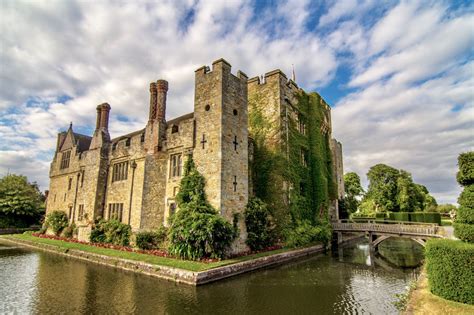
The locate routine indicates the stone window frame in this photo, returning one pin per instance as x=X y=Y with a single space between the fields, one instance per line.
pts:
x=119 y=171
x=69 y=184
x=115 y=211
x=174 y=129
x=80 y=213
x=65 y=158
x=176 y=165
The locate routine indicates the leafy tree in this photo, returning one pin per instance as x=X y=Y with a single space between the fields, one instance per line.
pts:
x=353 y=190
x=446 y=208
x=21 y=202
x=197 y=230
x=383 y=187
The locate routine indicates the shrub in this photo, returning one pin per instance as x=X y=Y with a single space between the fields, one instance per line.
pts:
x=380 y=215
x=464 y=232
x=465 y=213
x=198 y=231
x=151 y=239
x=432 y=217
x=465 y=176
x=112 y=231
x=417 y=216
x=260 y=225
x=399 y=216
x=305 y=234
x=57 y=221
x=450 y=268
x=68 y=231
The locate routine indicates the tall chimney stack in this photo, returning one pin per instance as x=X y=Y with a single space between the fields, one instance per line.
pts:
x=153 y=108
x=103 y=111
x=161 y=91
x=97 y=122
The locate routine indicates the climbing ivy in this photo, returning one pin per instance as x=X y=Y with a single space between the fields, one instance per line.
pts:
x=279 y=173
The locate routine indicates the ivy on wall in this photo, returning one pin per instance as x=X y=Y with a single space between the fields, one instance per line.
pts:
x=292 y=170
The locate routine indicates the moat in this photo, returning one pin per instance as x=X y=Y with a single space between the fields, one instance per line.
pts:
x=350 y=282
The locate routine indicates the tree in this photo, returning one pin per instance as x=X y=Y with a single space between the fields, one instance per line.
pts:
x=21 y=202
x=197 y=230
x=464 y=224
x=446 y=208
x=383 y=187
x=353 y=190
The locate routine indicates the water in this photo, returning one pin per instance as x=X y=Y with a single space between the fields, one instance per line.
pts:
x=351 y=282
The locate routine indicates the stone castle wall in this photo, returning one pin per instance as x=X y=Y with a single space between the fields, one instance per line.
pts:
x=216 y=134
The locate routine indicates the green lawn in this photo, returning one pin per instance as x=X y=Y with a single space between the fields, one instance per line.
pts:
x=163 y=261
x=446 y=222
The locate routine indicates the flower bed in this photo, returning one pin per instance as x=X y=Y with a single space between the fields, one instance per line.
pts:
x=154 y=252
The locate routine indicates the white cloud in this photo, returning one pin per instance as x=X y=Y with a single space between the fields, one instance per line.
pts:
x=409 y=70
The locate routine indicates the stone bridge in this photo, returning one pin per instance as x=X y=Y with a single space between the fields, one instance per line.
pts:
x=379 y=231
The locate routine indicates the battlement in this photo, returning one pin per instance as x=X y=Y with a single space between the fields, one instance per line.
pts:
x=220 y=65
x=273 y=75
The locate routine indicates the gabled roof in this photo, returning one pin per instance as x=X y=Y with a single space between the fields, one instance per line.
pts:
x=83 y=142
x=129 y=135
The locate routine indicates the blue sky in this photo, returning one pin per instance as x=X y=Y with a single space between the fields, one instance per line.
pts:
x=398 y=74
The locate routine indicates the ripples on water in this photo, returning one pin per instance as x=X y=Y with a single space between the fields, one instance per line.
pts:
x=350 y=283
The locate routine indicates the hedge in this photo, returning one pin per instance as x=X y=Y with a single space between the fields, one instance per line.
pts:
x=399 y=216
x=426 y=217
x=450 y=268
x=465 y=176
x=464 y=232
x=432 y=217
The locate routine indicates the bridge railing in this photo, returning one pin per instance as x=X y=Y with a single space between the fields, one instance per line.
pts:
x=426 y=229
x=385 y=222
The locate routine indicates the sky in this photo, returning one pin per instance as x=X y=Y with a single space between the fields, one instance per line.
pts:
x=399 y=75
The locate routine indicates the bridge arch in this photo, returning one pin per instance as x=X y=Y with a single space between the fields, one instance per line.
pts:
x=375 y=243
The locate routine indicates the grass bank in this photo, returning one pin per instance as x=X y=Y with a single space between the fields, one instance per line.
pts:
x=422 y=301
x=151 y=259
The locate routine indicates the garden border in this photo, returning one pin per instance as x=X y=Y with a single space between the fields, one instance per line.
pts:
x=194 y=278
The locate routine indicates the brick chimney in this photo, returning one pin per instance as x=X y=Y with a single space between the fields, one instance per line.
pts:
x=161 y=91
x=103 y=111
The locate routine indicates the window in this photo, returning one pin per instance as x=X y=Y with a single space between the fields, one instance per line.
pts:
x=70 y=211
x=175 y=191
x=301 y=125
x=80 y=214
x=174 y=129
x=304 y=157
x=175 y=165
x=142 y=137
x=114 y=146
x=120 y=171
x=208 y=107
x=235 y=112
x=127 y=142
x=82 y=178
x=65 y=157
x=69 y=185
x=115 y=211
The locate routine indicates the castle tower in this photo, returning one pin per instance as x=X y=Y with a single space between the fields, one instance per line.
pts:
x=221 y=138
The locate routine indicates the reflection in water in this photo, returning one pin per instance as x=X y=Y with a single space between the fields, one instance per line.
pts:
x=348 y=283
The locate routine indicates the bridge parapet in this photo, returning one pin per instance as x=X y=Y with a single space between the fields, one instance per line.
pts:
x=426 y=229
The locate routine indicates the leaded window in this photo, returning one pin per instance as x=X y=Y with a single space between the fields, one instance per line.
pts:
x=120 y=171
x=65 y=157
x=175 y=165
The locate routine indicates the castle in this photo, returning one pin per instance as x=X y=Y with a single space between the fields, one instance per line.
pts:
x=135 y=177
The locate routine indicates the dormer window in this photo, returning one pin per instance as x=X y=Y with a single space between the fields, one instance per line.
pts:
x=65 y=157
x=174 y=129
